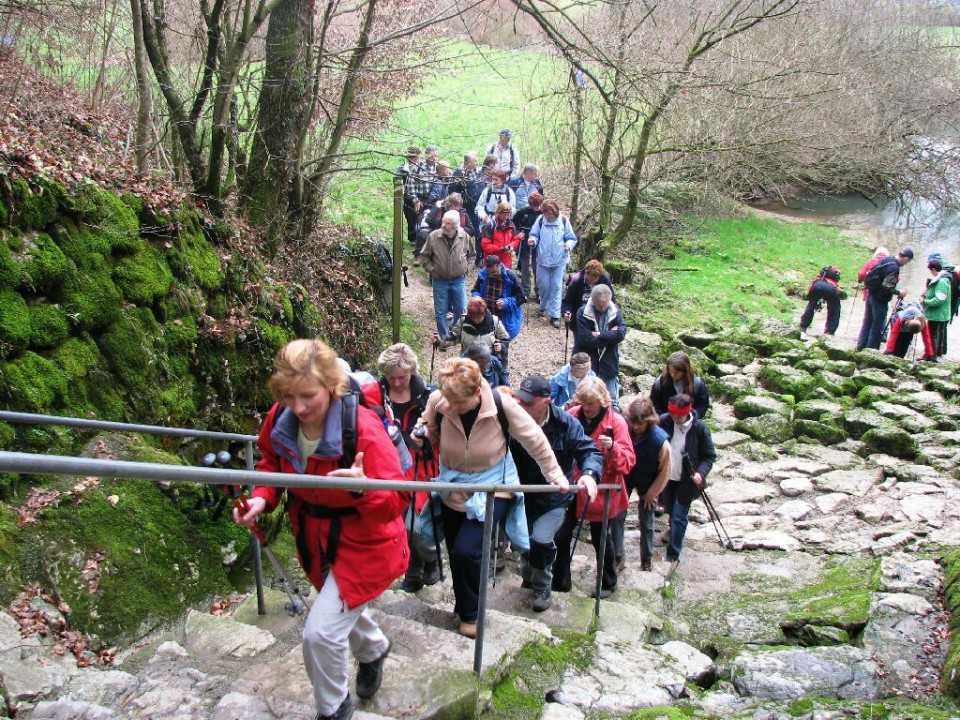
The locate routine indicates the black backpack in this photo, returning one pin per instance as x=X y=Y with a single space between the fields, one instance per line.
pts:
x=954 y=277
x=830 y=272
x=873 y=280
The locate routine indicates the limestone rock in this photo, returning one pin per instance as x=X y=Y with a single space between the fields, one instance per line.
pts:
x=770 y=540
x=740 y=491
x=907 y=418
x=857 y=421
x=212 y=636
x=828 y=503
x=923 y=401
x=640 y=352
x=891 y=440
x=836 y=349
x=822 y=635
x=875 y=393
x=725 y=439
x=787 y=380
x=101 y=687
x=819 y=410
x=757 y=405
x=900 y=573
x=768 y=429
x=724 y=352
x=697 y=666
x=842 y=672
x=794 y=510
x=68 y=709
x=696 y=339
x=794 y=487
x=556 y=711
x=826 y=432
x=851 y=482
x=731 y=387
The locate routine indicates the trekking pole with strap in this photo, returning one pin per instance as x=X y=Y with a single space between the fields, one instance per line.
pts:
x=420 y=431
x=296 y=602
x=893 y=315
x=715 y=519
x=576 y=537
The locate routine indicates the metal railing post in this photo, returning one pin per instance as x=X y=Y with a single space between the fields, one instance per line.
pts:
x=484 y=582
x=255 y=546
x=603 y=552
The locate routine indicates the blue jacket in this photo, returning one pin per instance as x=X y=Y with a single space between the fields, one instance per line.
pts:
x=562 y=386
x=511 y=314
x=523 y=189
x=570 y=445
x=604 y=350
x=550 y=238
x=495 y=373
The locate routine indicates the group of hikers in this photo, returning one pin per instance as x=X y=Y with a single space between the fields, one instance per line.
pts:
x=928 y=317
x=562 y=431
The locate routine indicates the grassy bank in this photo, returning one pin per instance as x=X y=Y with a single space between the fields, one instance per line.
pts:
x=723 y=270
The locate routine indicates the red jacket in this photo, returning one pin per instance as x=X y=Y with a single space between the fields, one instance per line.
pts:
x=617 y=462
x=373 y=549
x=500 y=239
x=867 y=267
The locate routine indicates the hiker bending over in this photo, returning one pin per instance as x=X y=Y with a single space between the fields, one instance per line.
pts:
x=610 y=434
x=352 y=546
x=490 y=366
x=936 y=302
x=881 y=284
x=691 y=457
x=405 y=396
x=679 y=377
x=565 y=383
x=546 y=511
x=471 y=426
x=824 y=288
x=477 y=325
x=909 y=321
x=650 y=474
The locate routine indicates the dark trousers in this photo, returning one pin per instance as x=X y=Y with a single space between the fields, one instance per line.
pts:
x=411 y=217
x=938 y=335
x=618 y=527
x=822 y=290
x=464 y=540
x=874 y=318
x=562 y=580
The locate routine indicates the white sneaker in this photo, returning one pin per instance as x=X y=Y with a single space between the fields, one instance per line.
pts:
x=805 y=337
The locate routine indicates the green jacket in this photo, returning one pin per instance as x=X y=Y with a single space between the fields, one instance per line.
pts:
x=936 y=302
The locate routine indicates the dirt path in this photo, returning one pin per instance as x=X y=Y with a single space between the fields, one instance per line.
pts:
x=539 y=348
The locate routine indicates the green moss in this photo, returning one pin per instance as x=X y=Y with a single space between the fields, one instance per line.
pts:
x=91 y=388
x=143 y=277
x=892 y=441
x=841 y=599
x=666 y=712
x=129 y=347
x=787 y=380
x=10 y=578
x=43 y=266
x=951 y=599
x=195 y=260
x=180 y=334
x=14 y=323
x=9 y=268
x=32 y=384
x=274 y=304
x=48 y=326
x=798 y=708
x=272 y=337
x=88 y=250
x=90 y=299
x=112 y=220
x=35 y=207
x=823 y=431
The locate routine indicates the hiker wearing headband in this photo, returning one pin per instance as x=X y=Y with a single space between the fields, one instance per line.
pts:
x=564 y=384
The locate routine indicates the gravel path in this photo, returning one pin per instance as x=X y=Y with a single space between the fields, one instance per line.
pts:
x=539 y=348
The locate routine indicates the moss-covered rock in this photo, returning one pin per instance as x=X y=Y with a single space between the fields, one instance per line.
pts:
x=770 y=428
x=857 y=421
x=9 y=268
x=14 y=323
x=92 y=390
x=129 y=346
x=836 y=349
x=825 y=410
x=35 y=207
x=875 y=393
x=725 y=352
x=944 y=387
x=194 y=259
x=825 y=432
x=951 y=598
x=696 y=339
x=891 y=441
x=180 y=334
x=43 y=266
x=115 y=223
x=144 y=276
x=756 y=405
x=874 y=378
x=835 y=384
x=822 y=635
x=731 y=387
x=32 y=383
x=842 y=367
x=787 y=380
x=87 y=249
x=90 y=299
x=811 y=365
x=48 y=326
x=876 y=359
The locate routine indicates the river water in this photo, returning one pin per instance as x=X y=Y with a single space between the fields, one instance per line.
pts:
x=922 y=228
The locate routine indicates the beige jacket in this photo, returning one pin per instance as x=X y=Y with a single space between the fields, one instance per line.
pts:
x=444 y=260
x=486 y=445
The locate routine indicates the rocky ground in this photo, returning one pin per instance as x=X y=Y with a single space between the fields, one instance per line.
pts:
x=836 y=482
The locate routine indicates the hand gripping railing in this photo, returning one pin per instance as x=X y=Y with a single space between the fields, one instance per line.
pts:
x=62 y=465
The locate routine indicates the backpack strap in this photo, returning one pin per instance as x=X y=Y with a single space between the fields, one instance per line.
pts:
x=349 y=405
x=501 y=415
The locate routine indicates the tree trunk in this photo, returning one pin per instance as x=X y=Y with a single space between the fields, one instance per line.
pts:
x=284 y=102
x=144 y=92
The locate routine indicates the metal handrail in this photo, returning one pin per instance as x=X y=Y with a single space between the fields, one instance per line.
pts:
x=36 y=419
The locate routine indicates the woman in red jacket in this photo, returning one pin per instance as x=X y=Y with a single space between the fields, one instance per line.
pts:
x=352 y=545
x=499 y=236
x=611 y=433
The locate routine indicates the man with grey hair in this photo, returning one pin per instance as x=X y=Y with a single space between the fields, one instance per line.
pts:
x=447 y=256
x=526 y=184
x=508 y=159
x=600 y=329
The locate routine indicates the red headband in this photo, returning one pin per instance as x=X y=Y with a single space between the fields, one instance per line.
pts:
x=677 y=409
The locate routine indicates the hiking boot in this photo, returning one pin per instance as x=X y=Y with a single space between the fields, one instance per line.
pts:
x=555 y=322
x=646 y=565
x=344 y=712
x=431 y=573
x=416 y=261
x=621 y=563
x=604 y=593
x=468 y=628
x=370 y=675
x=930 y=358
x=412 y=584
x=541 y=600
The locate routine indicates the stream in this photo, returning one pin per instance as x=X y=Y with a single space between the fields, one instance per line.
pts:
x=923 y=228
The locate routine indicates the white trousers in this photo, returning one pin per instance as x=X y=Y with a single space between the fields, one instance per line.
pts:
x=331 y=629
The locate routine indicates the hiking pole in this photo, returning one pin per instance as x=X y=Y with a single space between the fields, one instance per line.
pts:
x=296 y=603
x=886 y=328
x=566 y=341
x=433 y=356
x=712 y=511
x=576 y=538
x=852 y=306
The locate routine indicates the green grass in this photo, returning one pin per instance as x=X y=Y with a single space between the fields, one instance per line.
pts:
x=728 y=269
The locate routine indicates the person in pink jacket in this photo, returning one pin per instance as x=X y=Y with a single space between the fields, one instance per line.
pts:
x=352 y=545
x=610 y=432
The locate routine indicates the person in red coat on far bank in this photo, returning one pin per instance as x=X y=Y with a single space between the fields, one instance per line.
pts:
x=610 y=432
x=359 y=537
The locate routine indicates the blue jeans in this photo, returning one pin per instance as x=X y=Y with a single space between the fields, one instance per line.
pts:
x=874 y=318
x=678 y=520
x=536 y=567
x=613 y=386
x=448 y=295
x=550 y=287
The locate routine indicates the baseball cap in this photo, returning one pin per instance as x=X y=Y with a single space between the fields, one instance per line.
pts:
x=506 y=133
x=533 y=387
x=935 y=257
x=492 y=260
x=906 y=252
